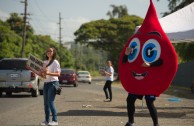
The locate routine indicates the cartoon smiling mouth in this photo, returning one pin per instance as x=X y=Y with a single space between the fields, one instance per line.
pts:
x=139 y=76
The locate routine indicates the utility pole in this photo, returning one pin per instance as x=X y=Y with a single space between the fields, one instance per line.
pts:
x=75 y=55
x=60 y=38
x=24 y=28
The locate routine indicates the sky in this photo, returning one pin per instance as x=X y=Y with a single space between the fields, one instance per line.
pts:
x=44 y=14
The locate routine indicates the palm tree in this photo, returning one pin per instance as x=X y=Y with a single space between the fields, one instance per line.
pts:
x=117 y=11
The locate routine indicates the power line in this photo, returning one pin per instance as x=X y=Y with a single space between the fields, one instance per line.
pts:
x=38 y=23
x=37 y=5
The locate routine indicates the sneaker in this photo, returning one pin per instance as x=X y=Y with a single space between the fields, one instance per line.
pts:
x=107 y=100
x=44 y=123
x=53 y=123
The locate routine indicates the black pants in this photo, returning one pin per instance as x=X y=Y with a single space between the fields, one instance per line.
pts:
x=150 y=104
x=108 y=90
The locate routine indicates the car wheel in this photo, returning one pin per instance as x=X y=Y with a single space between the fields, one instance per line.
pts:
x=9 y=93
x=89 y=82
x=1 y=94
x=35 y=93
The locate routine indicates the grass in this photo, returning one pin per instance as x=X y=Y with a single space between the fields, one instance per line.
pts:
x=181 y=92
x=95 y=73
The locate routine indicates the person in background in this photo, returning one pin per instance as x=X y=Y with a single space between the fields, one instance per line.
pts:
x=52 y=72
x=109 y=72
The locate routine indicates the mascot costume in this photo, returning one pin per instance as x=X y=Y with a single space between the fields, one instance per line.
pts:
x=151 y=45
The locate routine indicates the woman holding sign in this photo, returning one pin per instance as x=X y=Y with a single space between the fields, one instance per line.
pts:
x=50 y=82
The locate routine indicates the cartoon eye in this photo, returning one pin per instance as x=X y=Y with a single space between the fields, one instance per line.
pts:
x=135 y=46
x=151 y=51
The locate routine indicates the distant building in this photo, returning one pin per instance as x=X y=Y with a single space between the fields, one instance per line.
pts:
x=68 y=45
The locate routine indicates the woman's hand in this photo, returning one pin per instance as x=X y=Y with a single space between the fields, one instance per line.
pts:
x=42 y=73
x=46 y=71
x=105 y=72
x=57 y=73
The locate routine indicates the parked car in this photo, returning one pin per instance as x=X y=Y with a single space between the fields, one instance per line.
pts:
x=14 y=77
x=84 y=76
x=68 y=77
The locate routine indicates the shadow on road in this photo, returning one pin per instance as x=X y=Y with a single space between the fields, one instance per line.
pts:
x=82 y=101
x=91 y=113
x=17 y=96
x=143 y=113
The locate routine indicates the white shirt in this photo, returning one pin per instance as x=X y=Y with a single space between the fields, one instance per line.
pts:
x=54 y=67
x=110 y=70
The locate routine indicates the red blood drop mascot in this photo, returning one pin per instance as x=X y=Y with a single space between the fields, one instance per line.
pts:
x=147 y=65
x=149 y=44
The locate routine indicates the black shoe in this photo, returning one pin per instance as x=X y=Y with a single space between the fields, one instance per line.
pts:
x=129 y=124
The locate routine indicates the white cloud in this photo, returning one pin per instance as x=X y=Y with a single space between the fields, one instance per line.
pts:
x=69 y=26
x=3 y=15
x=52 y=28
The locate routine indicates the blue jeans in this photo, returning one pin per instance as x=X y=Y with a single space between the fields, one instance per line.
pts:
x=49 y=97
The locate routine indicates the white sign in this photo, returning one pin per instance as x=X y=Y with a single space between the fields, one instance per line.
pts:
x=36 y=65
x=101 y=70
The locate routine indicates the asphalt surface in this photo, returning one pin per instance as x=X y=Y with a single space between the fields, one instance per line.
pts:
x=84 y=106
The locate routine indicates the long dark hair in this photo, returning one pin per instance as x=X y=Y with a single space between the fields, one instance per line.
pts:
x=53 y=58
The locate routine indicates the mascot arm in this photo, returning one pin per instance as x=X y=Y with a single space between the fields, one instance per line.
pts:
x=124 y=58
x=158 y=62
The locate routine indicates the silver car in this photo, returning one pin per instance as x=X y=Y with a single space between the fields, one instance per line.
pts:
x=84 y=76
x=14 y=77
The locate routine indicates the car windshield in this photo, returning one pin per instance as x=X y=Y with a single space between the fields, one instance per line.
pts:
x=67 y=71
x=13 y=65
x=83 y=73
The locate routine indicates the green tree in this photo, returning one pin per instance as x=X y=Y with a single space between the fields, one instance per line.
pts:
x=175 y=5
x=16 y=24
x=118 y=11
x=41 y=43
x=11 y=41
x=87 y=57
x=108 y=35
x=185 y=51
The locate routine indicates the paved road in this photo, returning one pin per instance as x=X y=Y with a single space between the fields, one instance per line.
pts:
x=84 y=106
